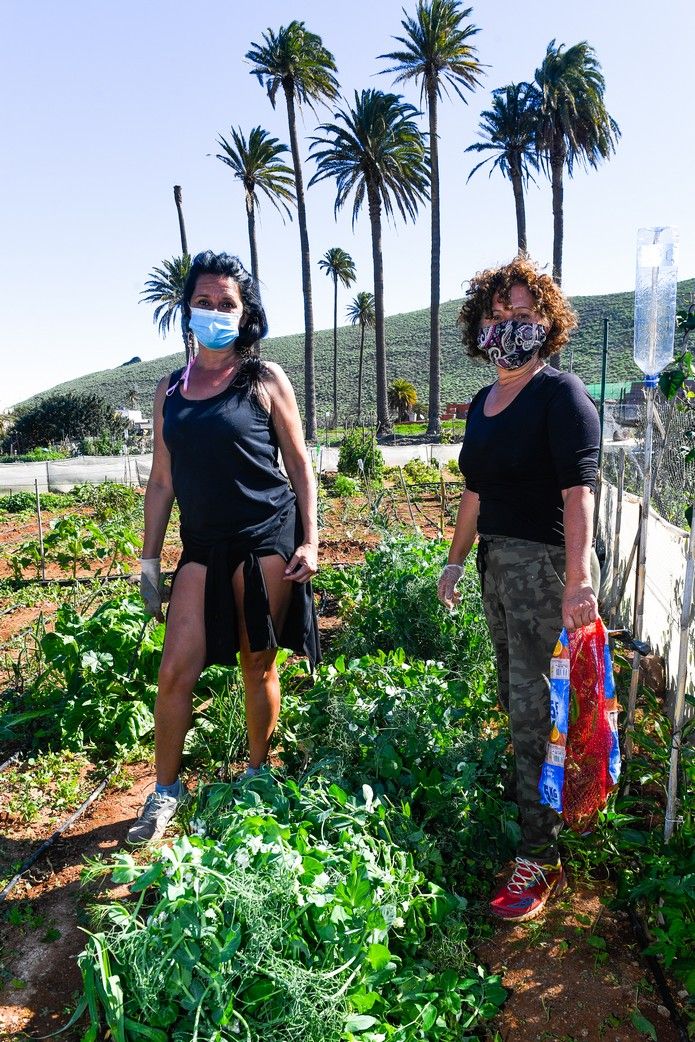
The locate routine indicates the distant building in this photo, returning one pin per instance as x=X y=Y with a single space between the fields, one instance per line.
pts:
x=455 y=411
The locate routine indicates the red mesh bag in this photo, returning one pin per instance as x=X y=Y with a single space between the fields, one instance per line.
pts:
x=592 y=763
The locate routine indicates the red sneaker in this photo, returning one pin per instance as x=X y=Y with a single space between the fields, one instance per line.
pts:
x=525 y=895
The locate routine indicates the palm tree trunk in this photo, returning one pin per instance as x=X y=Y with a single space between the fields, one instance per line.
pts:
x=434 y=424
x=253 y=248
x=518 y=188
x=335 y=349
x=186 y=336
x=359 y=375
x=383 y=420
x=309 y=378
x=178 y=199
x=557 y=166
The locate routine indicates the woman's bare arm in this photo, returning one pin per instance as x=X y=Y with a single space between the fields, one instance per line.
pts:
x=159 y=495
x=579 y=606
x=288 y=427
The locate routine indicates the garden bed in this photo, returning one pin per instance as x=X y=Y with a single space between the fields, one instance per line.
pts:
x=416 y=735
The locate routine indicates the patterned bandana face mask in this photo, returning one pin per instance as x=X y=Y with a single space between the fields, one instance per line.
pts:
x=511 y=344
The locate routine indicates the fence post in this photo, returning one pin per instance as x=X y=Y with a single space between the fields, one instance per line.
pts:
x=614 y=603
x=38 y=515
x=641 y=572
x=679 y=707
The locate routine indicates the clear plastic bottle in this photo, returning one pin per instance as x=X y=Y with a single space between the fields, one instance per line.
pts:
x=655 y=300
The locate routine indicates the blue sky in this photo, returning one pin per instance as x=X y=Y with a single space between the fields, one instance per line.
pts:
x=108 y=105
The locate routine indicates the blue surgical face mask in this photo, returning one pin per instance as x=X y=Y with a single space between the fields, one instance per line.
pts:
x=215 y=330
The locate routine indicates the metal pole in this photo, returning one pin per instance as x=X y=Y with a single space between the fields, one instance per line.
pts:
x=601 y=420
x=614 y=603
x=679 y=707
x=602 y=407
x=38 y=515
x=641 y=566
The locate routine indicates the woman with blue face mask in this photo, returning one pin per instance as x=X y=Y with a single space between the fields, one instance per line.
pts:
x=529 y=459
x=249 y=536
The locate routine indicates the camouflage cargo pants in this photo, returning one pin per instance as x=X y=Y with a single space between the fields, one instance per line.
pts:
x=522 y=584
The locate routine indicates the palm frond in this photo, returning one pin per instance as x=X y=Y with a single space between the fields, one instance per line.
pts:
x=296 y=60
x=164 y=287
x=437 y=49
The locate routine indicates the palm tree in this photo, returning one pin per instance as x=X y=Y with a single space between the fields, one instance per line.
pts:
x=510 y=129
x=574 y=124
x=377 y=150
x=178 y=200
x=402 y=397
x=296 y=60
x=257 y=166
x=164 y=287
x=338 y=265
x=438 y=53
x=361 y=310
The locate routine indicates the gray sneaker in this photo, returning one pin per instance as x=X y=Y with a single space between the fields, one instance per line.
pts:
x=154 y=818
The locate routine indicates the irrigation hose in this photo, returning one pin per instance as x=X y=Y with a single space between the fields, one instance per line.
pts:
x=10 y=761
x=658 y=975
x=47 y=843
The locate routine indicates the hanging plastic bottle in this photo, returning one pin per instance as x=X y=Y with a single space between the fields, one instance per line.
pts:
x=655 y=300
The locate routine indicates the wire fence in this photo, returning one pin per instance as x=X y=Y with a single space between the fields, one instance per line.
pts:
x=673 y=476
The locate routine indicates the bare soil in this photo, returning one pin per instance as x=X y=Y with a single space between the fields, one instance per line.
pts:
x=564 y=986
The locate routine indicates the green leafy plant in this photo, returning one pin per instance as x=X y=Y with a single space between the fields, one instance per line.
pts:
x=288 y=914
x=97 y=684
x=395 y=605
x=360 y=456
x=345 y=486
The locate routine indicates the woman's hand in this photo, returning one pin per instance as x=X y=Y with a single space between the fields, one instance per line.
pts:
x=303 y=564
x=446 y=587
x=579 y=606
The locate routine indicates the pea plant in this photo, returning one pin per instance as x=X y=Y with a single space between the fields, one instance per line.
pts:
x=288 y=914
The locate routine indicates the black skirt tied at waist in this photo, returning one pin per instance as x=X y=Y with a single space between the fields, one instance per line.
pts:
x=222 y=558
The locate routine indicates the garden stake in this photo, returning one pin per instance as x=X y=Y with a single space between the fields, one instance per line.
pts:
x=655 y=320
x=679 y=707
x=628 y=566
x=616 y=541
x=601 y=419
x=407 y=499
x=38 y=514
x=442 y=504
x=641 y=573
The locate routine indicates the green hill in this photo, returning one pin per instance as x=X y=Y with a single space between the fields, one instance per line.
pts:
x=407 y=338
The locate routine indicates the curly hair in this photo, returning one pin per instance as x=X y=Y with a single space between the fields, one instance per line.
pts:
x=550 y=303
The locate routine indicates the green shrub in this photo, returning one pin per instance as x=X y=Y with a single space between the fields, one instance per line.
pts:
x=35 y=456
x=416 y=471
x=396 y=606
x=109 y=499
x=18 y=501
x=453 y=467
x=360 y=445
x=345 y=486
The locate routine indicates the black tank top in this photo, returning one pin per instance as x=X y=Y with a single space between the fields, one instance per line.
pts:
x=224 y=465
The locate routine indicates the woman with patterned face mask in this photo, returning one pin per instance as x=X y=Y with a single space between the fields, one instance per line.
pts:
x=249 y=536
x=529 y=459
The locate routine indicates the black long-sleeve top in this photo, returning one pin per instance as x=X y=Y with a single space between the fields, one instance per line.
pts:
x=519 y=461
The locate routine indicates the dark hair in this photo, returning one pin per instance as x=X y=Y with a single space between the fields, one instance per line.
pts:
x=550 y=302
x=255 y=324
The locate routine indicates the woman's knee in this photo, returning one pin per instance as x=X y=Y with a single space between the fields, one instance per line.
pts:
x=176 y=678
x=258 y=667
